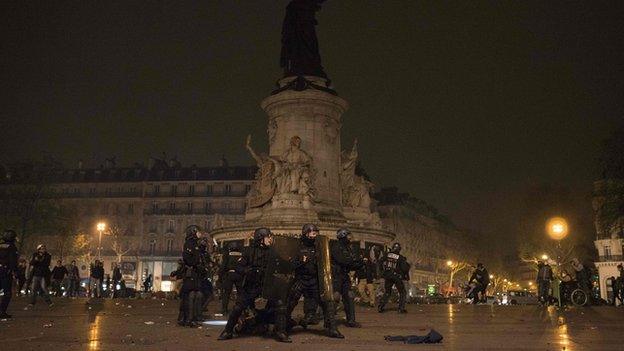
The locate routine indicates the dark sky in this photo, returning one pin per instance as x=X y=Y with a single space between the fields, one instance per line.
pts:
x=465 y=104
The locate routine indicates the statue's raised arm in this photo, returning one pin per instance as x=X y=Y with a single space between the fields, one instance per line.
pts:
x=252 y=152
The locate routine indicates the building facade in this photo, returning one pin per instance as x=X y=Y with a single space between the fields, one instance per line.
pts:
x=145 y=211
x=609 y=236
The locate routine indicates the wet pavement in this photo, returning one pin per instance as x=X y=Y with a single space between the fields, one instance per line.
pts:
x=150 y=325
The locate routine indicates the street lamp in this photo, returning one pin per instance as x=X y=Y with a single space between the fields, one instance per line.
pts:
x=557 y=228
x=544 y=257
x=101 y=226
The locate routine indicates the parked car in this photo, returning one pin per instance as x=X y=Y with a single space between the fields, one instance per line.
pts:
x=519 y=297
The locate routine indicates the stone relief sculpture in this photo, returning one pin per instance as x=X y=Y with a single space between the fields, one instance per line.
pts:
x=293 y=171
x=355 y=189
x=271 y=131
x=264 y=188
x=331 y=131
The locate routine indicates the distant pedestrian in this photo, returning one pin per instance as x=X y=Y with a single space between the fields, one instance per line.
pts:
x=97 y=279
x=147 y=283
x=618 y=290
x=482 y=278
x=543 y=280
x=59 y=272
x=116 y=280
x=20 y=274
x=73 y=279
x=40 y=264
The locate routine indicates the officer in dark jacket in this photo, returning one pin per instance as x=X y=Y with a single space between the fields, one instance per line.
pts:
x=228 y=274
x=8 y=265
x=252 y=267
x=482 y=277
x=395 y=270
x=191 y=298
x=40 y=263
x=345 y=259
x=307 y=281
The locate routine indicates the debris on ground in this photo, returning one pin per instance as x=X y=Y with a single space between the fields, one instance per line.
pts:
x=149 y=323
x=49 y=325
x=433 y=337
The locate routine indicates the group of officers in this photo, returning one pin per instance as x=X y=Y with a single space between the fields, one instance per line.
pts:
x=264 y=275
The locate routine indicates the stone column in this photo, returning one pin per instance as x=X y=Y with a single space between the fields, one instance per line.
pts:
x=315 y=116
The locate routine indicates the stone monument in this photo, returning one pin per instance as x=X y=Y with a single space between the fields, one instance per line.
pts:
x=305 y=176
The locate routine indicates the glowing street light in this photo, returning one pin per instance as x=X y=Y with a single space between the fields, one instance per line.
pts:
x=449 y=263
x=557 y=228
x=491 y=276
x=544 y=257
x=101 y=226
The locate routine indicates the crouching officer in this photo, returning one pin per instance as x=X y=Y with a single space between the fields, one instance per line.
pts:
x=252 y=266
x=309 y=266
x=192 y=272
x=8 y=265
x=395 y=269
x=344 y=259
x=229 y=276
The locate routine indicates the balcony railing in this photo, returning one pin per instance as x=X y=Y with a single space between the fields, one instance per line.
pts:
x=239 y=193
x=182 y=212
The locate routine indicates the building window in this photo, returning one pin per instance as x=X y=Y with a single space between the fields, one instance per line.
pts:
x=191 y=190
x=108 y=191
x=130 y=208
x=189 y=206
x=169 y=245
x=152 y=247
x=228 y=188
x=76 y=191
x=208 y=189
x=171 y=225
x=156 y=189
x=226 y=206
x=154 y=207
x=247 y=188
x=172 y=206
x=174 y=190
x=607 y=251
x=133 y=190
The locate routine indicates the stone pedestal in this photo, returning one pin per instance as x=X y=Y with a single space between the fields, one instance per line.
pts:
x=314 y=116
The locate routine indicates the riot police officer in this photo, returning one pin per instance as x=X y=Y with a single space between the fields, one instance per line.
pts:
x=395 y=269
x=307 y=281
x=8 y=265
x=252 y=266
x=229 y=276
x=345 y=258
x=191 y=301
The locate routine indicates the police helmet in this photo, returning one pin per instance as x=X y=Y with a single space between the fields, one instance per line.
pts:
x=260 y=234
x=308 y=228
x=192 y=230
x=9 y=235
x=396 y=248
x=342 y=233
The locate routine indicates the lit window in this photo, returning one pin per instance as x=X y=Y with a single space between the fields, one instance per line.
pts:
x=169 y=245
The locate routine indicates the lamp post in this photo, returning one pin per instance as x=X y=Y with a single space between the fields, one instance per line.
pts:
x=100 y=227
x=557 y=229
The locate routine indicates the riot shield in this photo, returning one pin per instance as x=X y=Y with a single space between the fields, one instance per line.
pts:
x=324 y=268
x=280 y=272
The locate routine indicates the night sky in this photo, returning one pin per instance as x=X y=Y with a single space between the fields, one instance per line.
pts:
x=464 y=105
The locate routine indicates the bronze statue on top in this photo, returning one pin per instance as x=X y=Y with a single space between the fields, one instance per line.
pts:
x=300 y=51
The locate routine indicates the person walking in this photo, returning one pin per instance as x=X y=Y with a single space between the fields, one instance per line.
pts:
x=366 y=282
x=543 y=280
x=58 y=275
x=395 y=270
x=40 y=263
x=73 y=278
x=344 y=259
x=97 y=278
x=116 y=280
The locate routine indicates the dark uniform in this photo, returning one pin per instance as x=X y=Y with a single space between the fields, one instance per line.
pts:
x=191 y=297
x=394 y=269
x=8 y=265
x=345 y=259
x=252 y=266
x=229 y=276
x=307 y=283
x=482 y=277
